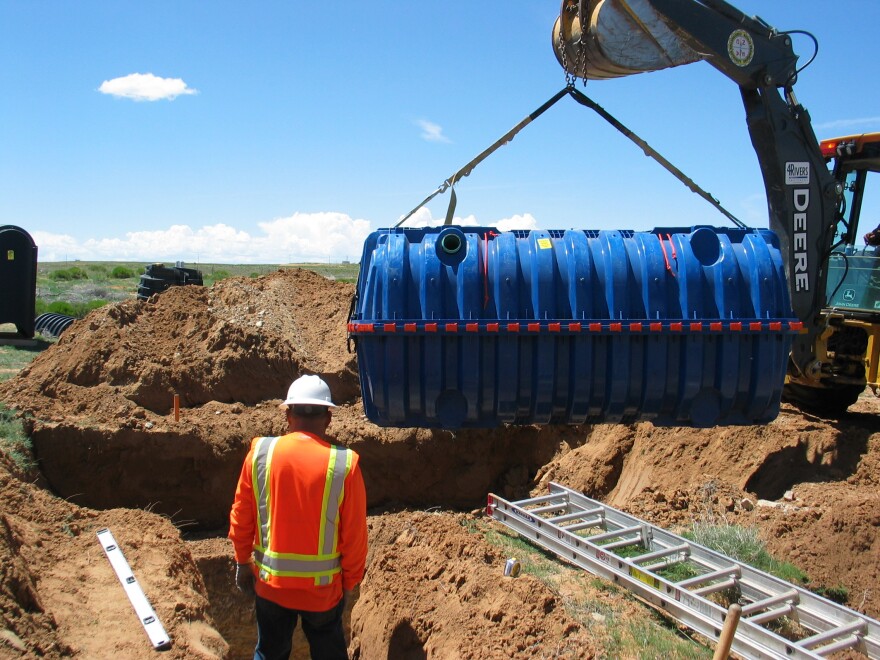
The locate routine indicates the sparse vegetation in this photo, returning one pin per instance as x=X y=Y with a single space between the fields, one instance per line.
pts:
x=838 y=594
x=218 y=275
x=75 y=309
x=673 y=572
x=87 y=285
x=743 y=544
x=14 y=358
x=99 y=270
x=13 y=440
x=607 y=618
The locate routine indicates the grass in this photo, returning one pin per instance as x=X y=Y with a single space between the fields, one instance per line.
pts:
x=14 y=358
x=744 y=545
x=673 y=572
x=13 y=440
x=651 y=641
x=601 y=607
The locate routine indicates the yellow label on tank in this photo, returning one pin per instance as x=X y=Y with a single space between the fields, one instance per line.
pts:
x=545 y=243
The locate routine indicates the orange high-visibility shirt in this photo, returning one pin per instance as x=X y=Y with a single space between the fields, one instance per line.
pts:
x=301 y=561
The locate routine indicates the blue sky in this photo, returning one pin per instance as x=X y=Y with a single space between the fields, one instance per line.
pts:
x=287 y=131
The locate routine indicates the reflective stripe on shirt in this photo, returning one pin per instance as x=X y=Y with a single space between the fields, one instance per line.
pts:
x=262 y=460
x=337 y=470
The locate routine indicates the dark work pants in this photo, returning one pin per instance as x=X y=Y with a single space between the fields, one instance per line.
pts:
x=275 y=626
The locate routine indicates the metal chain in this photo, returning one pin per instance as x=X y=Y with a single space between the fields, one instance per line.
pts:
x=582 y=46
x=581 y=60
x=569 y=77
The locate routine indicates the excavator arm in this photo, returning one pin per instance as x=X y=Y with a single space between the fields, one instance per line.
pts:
x=601 y=39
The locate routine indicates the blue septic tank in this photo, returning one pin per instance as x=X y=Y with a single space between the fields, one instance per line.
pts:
x=461 y=327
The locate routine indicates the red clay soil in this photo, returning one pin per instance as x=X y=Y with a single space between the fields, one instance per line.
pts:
x=111 y=454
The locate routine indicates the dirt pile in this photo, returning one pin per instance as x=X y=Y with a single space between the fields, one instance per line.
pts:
x=100 y=413
x=433 y=592
x=104 y=395
x=59 y=595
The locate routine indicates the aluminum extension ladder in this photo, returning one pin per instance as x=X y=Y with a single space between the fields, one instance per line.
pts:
x=587 y=533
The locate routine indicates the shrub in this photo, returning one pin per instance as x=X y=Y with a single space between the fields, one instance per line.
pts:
x=220 y=275
x=60 y=307
x=75 y=309
x=121 y=273
x=72 y=273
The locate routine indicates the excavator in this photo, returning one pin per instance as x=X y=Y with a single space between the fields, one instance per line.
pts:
x=808 y=282
x=817 y=220
x=847 y=350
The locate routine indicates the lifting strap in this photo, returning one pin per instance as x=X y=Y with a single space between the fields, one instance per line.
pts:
x=586 y=101
x=467 y=169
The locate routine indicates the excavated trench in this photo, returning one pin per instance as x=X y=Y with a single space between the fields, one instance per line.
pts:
x=100 y=413
x=189 y=475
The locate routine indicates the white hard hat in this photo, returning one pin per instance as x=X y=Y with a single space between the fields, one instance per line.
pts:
x=309 y=391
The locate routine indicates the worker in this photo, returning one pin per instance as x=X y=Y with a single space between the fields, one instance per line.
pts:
x=298 y=527
x=872 y=238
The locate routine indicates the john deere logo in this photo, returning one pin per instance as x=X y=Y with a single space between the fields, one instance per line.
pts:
x=849 y=295
x=740 y=48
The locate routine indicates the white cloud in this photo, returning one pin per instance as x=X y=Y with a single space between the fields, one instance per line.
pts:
x=145 y=87
x=300 y=238
x=315 y=237
x=431 y=132
x=424 y=218
x=523 y=221
x=866 y=123
x=421 y=218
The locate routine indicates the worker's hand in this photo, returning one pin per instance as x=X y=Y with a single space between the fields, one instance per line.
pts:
x=244 y=579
